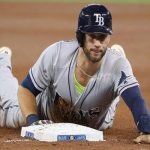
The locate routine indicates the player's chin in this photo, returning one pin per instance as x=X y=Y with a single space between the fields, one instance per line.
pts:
x=95 y=59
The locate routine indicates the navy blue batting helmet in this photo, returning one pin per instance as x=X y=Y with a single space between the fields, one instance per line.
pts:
x=93 y=18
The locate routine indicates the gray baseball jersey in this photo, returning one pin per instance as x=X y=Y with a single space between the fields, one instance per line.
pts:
x=59 y=101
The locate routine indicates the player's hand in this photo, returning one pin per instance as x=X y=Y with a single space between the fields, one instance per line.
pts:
x=41 y=122
x=144 y=138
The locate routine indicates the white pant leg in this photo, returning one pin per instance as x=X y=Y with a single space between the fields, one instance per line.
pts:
x=10 y=114
x=108 y=121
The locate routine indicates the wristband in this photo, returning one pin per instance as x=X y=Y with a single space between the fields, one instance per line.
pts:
x=144 y=124
x=31 y=118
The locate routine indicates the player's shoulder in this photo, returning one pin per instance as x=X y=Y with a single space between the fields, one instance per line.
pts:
x=117 y=50
x=61 y=46
x=65 y=45
x=71 y=43
x=115 y=55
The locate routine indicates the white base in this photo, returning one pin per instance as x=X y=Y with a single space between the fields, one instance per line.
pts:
x=61 y=132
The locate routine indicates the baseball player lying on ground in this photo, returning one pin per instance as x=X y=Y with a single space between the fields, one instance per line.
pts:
x=76 y=81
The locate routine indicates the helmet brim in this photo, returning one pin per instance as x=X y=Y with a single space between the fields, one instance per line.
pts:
x=96 y=29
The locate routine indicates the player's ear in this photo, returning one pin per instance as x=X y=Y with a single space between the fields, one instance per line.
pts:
x=108 y=39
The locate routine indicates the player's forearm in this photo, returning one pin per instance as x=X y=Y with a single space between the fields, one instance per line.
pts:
x=135 y=102
x=27 y=102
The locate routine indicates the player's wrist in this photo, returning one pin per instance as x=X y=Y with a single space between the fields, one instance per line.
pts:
x=144 y=124
x=144 y=133
x=31 y=118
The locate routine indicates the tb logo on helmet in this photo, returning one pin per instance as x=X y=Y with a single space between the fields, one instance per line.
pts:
x=99 y=19
x=94 y=18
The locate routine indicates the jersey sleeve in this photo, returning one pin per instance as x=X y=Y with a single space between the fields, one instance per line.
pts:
x=124 y=77
x=43 y=70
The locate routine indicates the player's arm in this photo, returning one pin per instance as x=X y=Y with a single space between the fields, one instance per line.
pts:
x=26 y=95
x=133 y=98
x=38 y=79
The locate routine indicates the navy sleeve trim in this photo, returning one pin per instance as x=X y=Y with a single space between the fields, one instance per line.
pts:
x=133 y=98
x=31 y=119
x=27 y=83
x=36 y=82
x=132 y=84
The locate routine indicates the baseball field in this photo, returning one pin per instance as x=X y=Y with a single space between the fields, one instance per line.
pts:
x=29 y=27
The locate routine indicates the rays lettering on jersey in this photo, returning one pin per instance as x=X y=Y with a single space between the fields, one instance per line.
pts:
x=99 y=19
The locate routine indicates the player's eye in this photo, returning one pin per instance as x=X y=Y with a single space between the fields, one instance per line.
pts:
x=98 y=36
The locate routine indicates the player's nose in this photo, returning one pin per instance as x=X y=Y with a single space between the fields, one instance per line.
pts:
x=97 y=43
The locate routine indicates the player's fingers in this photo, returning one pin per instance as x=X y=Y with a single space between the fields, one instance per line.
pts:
x=142 y=139
x=137 y=140
x=41 y=122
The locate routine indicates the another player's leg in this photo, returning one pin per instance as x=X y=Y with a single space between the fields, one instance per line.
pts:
x=10 y=115
x=109 y=118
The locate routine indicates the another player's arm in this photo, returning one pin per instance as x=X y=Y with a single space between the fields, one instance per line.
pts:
x=27 y=100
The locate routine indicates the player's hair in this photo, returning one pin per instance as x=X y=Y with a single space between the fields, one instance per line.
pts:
x=93 y=18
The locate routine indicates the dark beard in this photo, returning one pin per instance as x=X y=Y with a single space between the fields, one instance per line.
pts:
x=93 y=60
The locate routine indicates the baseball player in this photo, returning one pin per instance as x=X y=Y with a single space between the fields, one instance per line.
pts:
x=77 y=81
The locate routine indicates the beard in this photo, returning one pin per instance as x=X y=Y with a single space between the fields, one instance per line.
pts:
x=94 y=58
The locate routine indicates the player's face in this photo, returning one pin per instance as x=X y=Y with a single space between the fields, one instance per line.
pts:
x=95 y=46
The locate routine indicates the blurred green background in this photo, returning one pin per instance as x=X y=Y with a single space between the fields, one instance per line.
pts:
x=84 y=1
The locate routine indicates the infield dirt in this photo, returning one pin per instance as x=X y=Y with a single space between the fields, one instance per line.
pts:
x=29 y=28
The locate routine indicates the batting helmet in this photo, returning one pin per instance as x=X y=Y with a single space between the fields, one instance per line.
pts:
x=93 y=18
